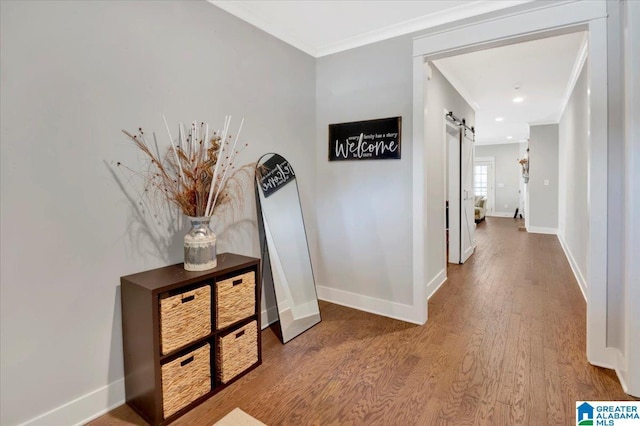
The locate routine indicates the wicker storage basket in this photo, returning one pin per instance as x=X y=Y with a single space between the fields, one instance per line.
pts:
x=184 y=318
x=235 y=299
x=237 y=351
x=185 y=379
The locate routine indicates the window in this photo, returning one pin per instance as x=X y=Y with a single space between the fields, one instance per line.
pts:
x=480 y=179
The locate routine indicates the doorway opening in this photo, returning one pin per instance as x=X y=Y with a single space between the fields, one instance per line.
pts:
x=531 y=23
x=483 y=187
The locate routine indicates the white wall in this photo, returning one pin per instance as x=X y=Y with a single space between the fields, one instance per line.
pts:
x=573 y=219
x=631 y=276
x=440 y=96
x=364 y=233
x=507 y=176
x=543 y=178
x=73 y=75
x=615 y=181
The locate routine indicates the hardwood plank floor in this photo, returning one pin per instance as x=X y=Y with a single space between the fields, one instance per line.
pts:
x=504 y=344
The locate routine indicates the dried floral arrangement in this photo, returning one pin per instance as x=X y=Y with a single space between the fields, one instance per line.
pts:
x=194 y=171
x=524 y=163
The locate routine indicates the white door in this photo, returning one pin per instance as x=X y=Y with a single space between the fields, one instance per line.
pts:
x=453 y=190
x=467 y=222
x=460 y=156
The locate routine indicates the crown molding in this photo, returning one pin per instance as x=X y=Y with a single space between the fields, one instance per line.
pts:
x=489 y=142
x=457 y=85
x=420 y=23
x=543 y=123
x=267 y=25
x=453 y=14
x=581 y=59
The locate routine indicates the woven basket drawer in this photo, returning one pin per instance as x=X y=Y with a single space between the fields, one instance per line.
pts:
x=235 y=299
x=185 y=379
x=237 y=351
x=184 y=318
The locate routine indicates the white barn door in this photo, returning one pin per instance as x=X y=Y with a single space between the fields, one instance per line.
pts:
x=460 y=166
x=467 y=219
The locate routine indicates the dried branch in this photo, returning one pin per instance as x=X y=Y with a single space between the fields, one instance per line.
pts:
x=193 y=173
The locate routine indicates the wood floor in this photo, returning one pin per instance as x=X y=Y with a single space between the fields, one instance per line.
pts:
x=504 y=345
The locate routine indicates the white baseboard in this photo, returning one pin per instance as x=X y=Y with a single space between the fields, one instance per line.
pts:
x=542 y=230
x=94 y=404
x=436 y=283
x=613 y=359
x=604 y=358
x=268 y=316
x=582 y=283
x=370 y=304
x=620 y=361
x=622 y=371
x=623 y=383
x=500 y=214
x=83 y=409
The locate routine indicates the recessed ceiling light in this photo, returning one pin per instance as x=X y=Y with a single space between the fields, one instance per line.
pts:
x=518 y=99
x=509 y=137
x=499 y=119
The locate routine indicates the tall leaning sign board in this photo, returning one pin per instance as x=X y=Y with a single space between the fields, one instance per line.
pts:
x=365 y=140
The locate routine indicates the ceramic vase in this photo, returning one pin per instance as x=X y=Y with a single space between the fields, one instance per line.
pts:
x=200 y=246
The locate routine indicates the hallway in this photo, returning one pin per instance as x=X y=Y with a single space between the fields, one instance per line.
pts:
x=504 y=345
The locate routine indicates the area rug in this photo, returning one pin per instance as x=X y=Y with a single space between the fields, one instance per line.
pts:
x=237 y=417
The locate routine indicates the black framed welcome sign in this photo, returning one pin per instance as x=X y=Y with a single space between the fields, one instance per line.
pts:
x=365 y=140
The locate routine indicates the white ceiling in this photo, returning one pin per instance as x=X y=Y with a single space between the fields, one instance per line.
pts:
x=544 y=69
x=320 y=27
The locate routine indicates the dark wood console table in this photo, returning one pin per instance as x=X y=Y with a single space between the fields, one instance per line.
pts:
x=187 y=335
